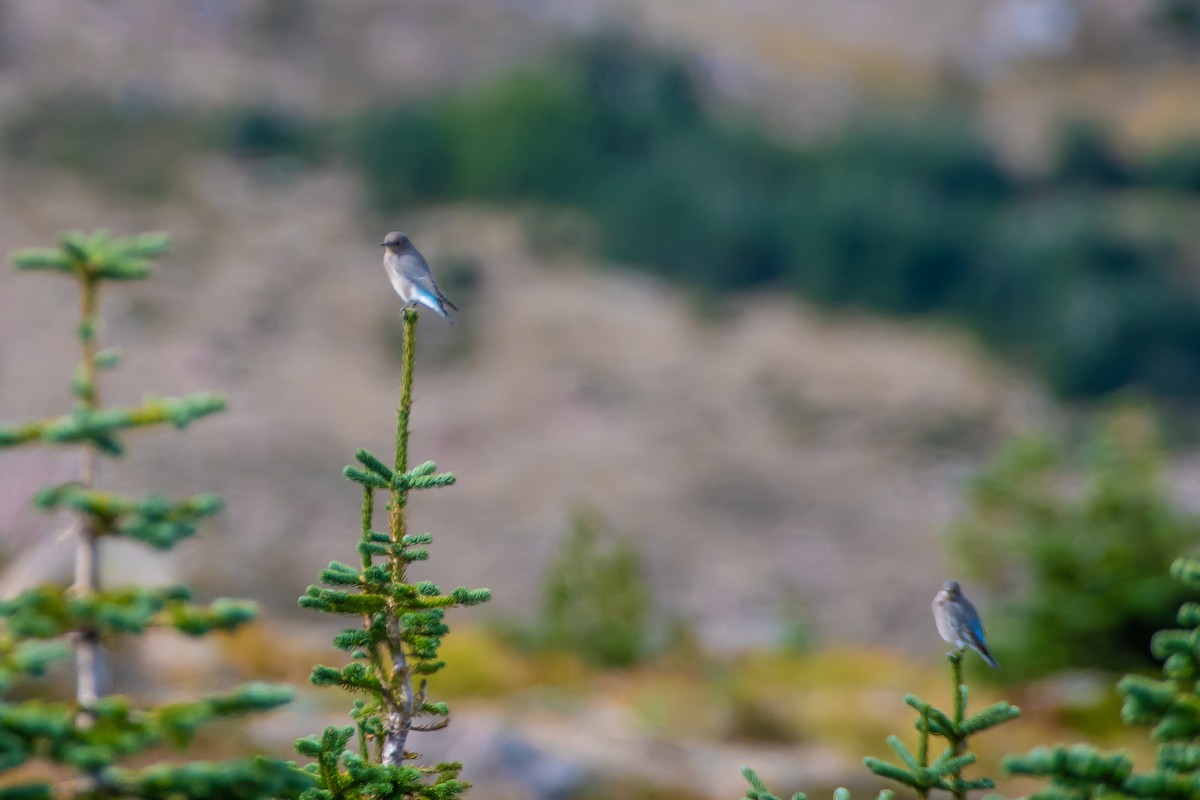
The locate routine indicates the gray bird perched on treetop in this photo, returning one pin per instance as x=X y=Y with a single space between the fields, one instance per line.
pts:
x=410 y=276
x=958 y=622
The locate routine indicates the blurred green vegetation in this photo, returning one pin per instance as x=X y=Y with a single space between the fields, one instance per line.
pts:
x=135 y=145
x=596 y=599
x=1167 y=706
x=1083 y=555
x=270 y=132
x=902 y=212
x=131 y=146
x=1179 y=18
x=1080 y=271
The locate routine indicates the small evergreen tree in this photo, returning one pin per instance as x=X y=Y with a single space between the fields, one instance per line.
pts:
x=92 y=733
x=945 y=772
x=596 y=598
x=395 y=648
x=1085 y=560
x=1172 y=706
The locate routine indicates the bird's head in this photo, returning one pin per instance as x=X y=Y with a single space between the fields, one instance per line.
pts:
x=952 y=588
x=397 y=240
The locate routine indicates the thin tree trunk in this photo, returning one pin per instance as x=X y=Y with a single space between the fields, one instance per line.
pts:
x=88 y=652
x=400 y=716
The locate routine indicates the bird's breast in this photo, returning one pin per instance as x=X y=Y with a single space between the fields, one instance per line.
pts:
x=402 y=285
x=943 y=617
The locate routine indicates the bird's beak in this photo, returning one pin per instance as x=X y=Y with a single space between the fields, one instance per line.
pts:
x=383 y=244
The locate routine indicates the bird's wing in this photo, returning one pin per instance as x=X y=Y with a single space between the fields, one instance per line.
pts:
x=975 y=629
x=974 y=637
x=972 y=624
x=414 y=267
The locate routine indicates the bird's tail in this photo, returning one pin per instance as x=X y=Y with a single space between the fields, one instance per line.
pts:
x=435 y=304
x=981 y=648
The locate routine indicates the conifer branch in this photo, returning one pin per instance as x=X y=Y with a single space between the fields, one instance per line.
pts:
x=49 y=611
x=154 y=520
x=397 y=522
x=1169 y=704
x=404 y=411
x=95 y=427
x=958 y=743
x=368 y=511
x=923 y=750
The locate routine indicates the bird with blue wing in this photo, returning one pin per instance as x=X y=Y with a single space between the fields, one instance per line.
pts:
x=410 y=276
x=958 y=622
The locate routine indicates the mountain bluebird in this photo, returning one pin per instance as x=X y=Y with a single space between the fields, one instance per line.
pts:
x=958 y=621
x=410 y=276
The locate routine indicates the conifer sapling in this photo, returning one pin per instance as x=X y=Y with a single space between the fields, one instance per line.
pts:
x=394 y=648
x=92 y=733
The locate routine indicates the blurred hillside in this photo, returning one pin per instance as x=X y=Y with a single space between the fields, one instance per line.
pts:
x=764 y=283
x=774 y=450
x=755 y=441
x=803 y=65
